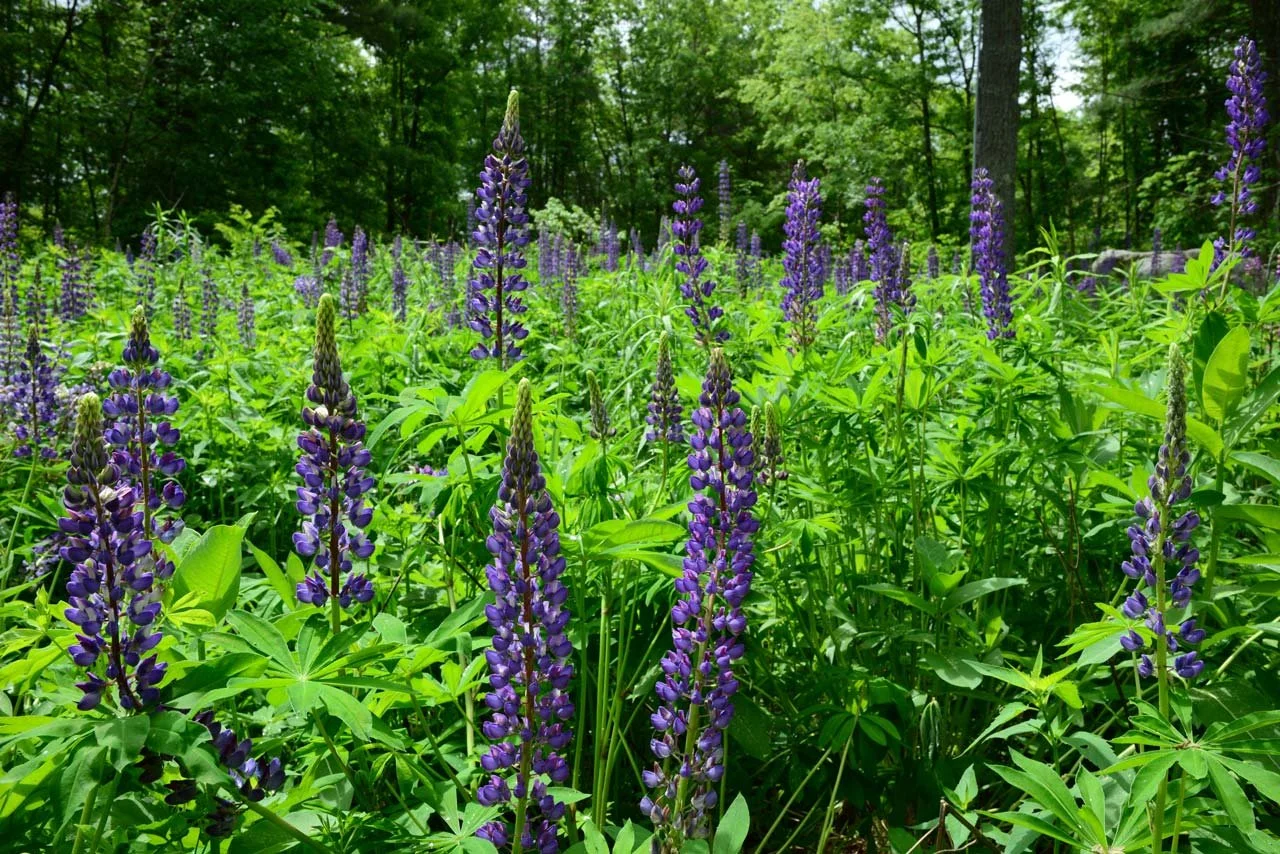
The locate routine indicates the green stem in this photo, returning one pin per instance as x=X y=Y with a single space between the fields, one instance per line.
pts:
x=102 y=819
x=829 y=819
x=782 y=813
x=13 y=532
x=285 y=826
x=85 y=811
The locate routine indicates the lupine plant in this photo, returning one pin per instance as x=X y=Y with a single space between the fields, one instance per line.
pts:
x=1246 y=128
x=803 y=275
x=986 y=236
x=695 y=692
x=690 y=263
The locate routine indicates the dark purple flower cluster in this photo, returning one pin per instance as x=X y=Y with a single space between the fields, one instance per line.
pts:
x=697 y=686
x=569 y=291
x=444 y=258
x=283 y=257
x=181 y=312
x=32 y=399
x=665 y=412
x=801 y=263
x=361 y=269
x=602 y=428
x=399 y=281
x=529 y=664
x=635 y=250
x=334 y=480
x=254 y=779
x=210 y=305
x=689 y=261
x=309 y=288
x=10 y=260
x=502 y=232
x=1246 y=134
x=612 y=247
x=10 y=343
x=333 y=238
x=884 y=263
x=74 y=298
x=1164 y=560
x=933 y=266
x=725 y=207
x=986 y=234
x=246 y=319
x=111 y=592
x=141 y=432
x=349 y=295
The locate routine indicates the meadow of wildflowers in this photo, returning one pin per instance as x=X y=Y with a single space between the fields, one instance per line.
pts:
x=476 y=543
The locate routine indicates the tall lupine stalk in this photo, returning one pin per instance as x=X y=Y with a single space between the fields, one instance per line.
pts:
x=210 y=306
x=246 y=319
x=801 y=263
x=770 y=459
x=665 y=412
x=281 y=255
x=72 y=303
x=529 y=666
x=1163 y=564
x=10 y=259
x=361 y=269
x=884 y=262
x=858 y=269
x=333 y=238
x=724 y=208
x=111 y=592
x=144 y=270
x=612 y=247
x=602 y=429
x=933 y=266
x=986 y=235
x=181 y=312
x=697 y=687
x=399 y=282
x=1246 y=134
x=502 y=232
x=569 y=293
x=332 y=466
x=689 y=261
x=141 y=433
x=349 y=295
x=32 y=398
x=635 y=249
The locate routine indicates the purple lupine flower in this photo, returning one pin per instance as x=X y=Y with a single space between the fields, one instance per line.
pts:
x=529 y=663
x=245 y=318
x=802 y=267
x=332 y=467
x=957 y=262
x=332 y=240
x=360 y=270
x=32 y=398
x=665 y=411
x=933 y=266
x=1178 y=261
x=446 y=264
x=349 y=295
x=724 y=208
x=399 y=282
x=822 y=256
x=601 y=428
x=771 y=463
x=253 y=778
x=698 y=684
x=986 y=234
x=1246 y=134
x=308 y=287
x=71 y=301
x=613 y=250
x=210 y=305
x=111 y=591
x=281 y=254
x=1088 y=286
x=1155 y=251
x=635 y=250
x=141 y=434
x=181 y=312
x=569 y=294
x=501 y=234
x=10 y=259
x=859 y=271
x=689 y=261
x=841 y=276
x=10 y=342
x=1164 y=560
x=885 y=264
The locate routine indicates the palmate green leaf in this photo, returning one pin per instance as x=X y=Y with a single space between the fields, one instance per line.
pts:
x=1231 y=796
x=1140 y=404
x=264 y=638
x=211 y=571
x=1220 y=732
x=1225 y=374
x=123 y=738
x=732 y=831
x=1037 y=824
x=1007 y=713
x=1268 y=467
x=1043 y=783
x=286 y=590
x=1266 y=782
x=1264 y=515
x=976 y=590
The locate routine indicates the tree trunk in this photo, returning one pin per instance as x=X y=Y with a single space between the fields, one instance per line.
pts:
x=995 y=116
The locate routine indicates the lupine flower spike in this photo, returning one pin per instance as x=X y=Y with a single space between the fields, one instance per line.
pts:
x=724 y=210
x=502 y=232
x=664 y=418
x=111 y=593
x=689 y=261
x=246 y=321
x=1246 y=134
x=601 y=429
x=332 y=467
x=802 y=266
x=141 y=408
x=33 y=399
x=1164 y=560
x=529 y=664
x=986 y=234
x=770 y=462
x=697 y=687
x=884 y=262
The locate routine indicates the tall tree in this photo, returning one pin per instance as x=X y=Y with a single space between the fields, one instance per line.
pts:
x=995 y=116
